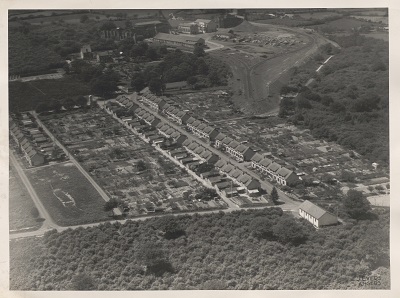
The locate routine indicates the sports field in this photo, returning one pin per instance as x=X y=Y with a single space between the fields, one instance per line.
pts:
x=67 y=194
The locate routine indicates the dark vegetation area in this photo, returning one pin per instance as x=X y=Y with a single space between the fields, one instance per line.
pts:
x=25 y=96
x=348 y=102
x=198 y=69
x=258 y=249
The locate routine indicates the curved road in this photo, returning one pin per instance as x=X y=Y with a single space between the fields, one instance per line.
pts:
x=255 y=78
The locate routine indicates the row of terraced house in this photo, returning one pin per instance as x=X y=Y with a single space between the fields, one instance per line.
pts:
x=33 y=143
x=239 y=151
x=187 y=152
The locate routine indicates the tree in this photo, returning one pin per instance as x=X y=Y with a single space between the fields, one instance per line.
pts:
x=153 y=257
x=110 y=205
x=198 y=51
x=34 y=212
x=261 y=227
x=82 y=282
x=103 y=85
x=84 y=18
x=170 y=226
x=191 y=81
x=138 y=83
x=141 y=165
x=156 y=86
x=81 y=101
x=303 y=103
x=337 y=107
x=355 y=205
x=274 y=196
x=68 y=103
x=286 y=107
x=109 y=25
x=288 y=230
x=214 y=285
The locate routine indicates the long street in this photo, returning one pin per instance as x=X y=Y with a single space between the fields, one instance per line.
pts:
x=40 y=232
x=48 y=222
x=75 y=162
x=289 y=203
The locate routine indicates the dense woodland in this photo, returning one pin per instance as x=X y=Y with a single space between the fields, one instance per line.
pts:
x=198 y=69
x=258 y=249
x=349 y=100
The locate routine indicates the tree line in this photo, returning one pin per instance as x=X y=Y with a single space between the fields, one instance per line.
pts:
x=255 y=249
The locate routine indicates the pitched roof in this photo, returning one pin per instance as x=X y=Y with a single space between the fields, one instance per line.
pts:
x=266 y=162
x=257 y=157
x=312 y=209
x=220 y=163
x=245 y=178
x=227 y=140
x=175 y=134
x=187 y=142
x=199 y=150
x=178 y=38
x=196 y=123
x=274 y=167
x=193 y=145
x=234 y=144
x=190 y=120
x=236 y=173
x=242 y=148
x=227 y=168
x=202 y=126
x=202 y=21
x=220 y=136
x=284 y=172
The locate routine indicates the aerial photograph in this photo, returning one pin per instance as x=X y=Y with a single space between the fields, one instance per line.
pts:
x=198 y=149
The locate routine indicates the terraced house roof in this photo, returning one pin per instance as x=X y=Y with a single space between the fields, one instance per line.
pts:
x=274 y=167
x=284 y=172
x=257 y=157
x=266 y=162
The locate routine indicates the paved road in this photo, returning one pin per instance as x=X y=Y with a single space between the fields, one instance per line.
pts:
x=76 y=163
x=289 y=203
x=48 y=222
x=40 y=233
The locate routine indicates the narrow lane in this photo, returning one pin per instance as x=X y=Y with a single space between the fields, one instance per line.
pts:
x=40 y=233
x=75 y=162
x=48 y=223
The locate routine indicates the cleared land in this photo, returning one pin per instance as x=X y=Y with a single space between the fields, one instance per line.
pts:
x=67 y=195
x=256 y=80
x=21 y=205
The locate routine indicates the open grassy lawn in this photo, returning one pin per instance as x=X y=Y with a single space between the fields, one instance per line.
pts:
x=67 y=195
x=25 y=96
x=21 y=205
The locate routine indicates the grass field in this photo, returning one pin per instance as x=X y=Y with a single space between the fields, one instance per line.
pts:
x=345 y=24
x=318 y=15
x=67 y=195
x=21 y=205
x=24 y=96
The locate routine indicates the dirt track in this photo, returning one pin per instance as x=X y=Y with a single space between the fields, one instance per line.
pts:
x=256 y=82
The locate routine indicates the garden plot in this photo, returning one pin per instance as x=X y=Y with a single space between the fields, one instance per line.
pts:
x=67 y=194
x=127 y=168
x=211 y=105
